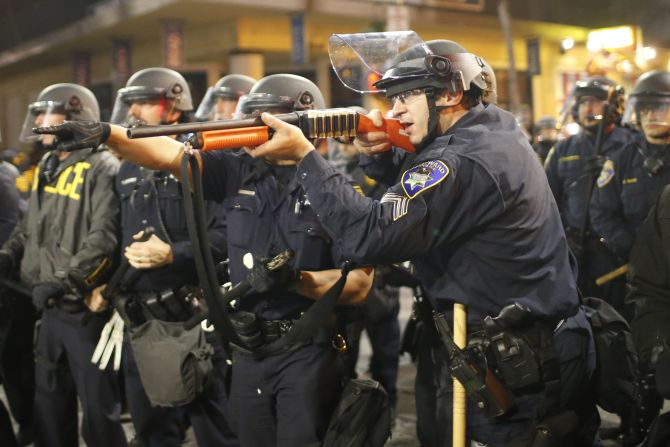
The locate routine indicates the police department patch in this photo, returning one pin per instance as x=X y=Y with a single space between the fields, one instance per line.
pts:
x=606 y=174
x=423 y=177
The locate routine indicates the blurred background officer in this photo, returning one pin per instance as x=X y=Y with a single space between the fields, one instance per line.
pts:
x=164 y=271
x=286 y=398
x=546 y=137
x=9 y=216
x=220 y=101
x=572 y=168
x=65 y=245
x=632 y=179
x=649 y=295
x=462 y=214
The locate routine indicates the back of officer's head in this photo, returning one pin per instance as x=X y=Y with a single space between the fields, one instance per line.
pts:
x=57 y=103
x=281 y=93
x=161 y=87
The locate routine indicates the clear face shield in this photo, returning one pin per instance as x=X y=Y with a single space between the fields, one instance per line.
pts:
x=41 y=114
x=360 y=60
x=254 y=104
x=218 y=104
x=126 y=97
x=651 y=114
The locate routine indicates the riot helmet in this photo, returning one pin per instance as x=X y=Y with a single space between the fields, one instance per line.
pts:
x=401 y=63
x=280 y=93
x=648 y=105
x=166 y=86
x=226 y=92
x=591 y=95
x=55 y=104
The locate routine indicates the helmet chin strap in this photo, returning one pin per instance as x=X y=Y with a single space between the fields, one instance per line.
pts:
x=433 y=120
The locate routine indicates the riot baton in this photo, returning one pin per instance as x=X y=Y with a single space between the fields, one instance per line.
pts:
x=459 y=396
x=614 y=274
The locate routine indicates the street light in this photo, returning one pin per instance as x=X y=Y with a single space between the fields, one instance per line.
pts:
x=567 y=44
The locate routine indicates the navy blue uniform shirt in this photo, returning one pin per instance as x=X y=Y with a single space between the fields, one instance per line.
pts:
x=154 y=198
x=265 y=218
x=474 y=213
x=565 y=171
x=626 y=192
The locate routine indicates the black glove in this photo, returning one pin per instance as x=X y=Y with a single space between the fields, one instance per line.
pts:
x=397 y=276
x=6 y=264
x=593 y=165
x=47 y=294
x=262 y=279
x=73 y=135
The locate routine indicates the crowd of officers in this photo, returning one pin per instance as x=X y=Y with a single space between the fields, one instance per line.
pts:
x=472 y=209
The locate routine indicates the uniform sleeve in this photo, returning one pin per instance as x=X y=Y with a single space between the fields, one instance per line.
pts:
x=606 y=211
x=551 y=169
x=649 y=280
x=426 y=210
x=98 y=246
x=15 y=244
x=9 y=211
x=383 y=167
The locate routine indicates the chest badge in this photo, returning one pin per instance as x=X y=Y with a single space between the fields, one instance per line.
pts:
x=607 y=173
x=423 y=177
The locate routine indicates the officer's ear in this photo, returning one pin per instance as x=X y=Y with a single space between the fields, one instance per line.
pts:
x=445 y=98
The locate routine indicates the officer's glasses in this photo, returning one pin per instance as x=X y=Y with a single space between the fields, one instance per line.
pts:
x=406 y=96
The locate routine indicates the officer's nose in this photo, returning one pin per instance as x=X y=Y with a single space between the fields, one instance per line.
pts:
x=398 y=108
x=134 y=110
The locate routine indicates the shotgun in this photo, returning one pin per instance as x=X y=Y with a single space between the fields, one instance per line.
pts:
x=328 y=123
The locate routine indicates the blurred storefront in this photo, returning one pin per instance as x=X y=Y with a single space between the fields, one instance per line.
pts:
x=208 y=38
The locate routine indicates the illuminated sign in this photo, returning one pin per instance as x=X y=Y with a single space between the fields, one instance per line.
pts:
x=611 y=38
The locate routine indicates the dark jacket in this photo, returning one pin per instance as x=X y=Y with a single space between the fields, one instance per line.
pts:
x=9 y=202
x=72 y=225
x=649 y=279
x=473 y=212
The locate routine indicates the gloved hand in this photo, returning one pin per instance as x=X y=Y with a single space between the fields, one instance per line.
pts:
x=397 y=276
x=593 y=165
x=73 y=135
x=262 y=279
x=46 y=294
x=6 y=265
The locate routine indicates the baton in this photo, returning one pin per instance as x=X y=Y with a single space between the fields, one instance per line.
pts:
x=459 y=397
x=614 y=274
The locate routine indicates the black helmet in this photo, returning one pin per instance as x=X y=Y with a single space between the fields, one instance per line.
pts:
x=75 y=102
x=598 y=87
x=440 y=64
x=281 y=93
x=230 y=87
x=152 y=84
x=652 y=90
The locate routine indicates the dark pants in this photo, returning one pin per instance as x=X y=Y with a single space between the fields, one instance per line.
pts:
x=285 y=400
x=63 y=372
x=163 y=427
x=7 y=438
x=17 y=366
x=576 y=354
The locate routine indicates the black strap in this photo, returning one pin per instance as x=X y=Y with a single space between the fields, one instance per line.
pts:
x=303 y=330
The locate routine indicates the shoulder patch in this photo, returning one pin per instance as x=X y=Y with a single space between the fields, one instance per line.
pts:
x=423 y=177
x=606 y=174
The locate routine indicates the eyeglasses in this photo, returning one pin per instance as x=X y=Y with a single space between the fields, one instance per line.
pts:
x=403 y=97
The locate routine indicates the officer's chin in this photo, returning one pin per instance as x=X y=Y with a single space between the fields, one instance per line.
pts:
x=48 y=142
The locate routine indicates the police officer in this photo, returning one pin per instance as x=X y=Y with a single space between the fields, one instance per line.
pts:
x=65 y=246
x=546 y=137
x=469 y=212
x=649 y=279
x=220 y=101
x=163 y=265
x=632 y=179
x=571 y=168
x=283 y=399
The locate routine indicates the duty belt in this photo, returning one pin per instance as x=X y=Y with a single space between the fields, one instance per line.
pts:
x=169 y=305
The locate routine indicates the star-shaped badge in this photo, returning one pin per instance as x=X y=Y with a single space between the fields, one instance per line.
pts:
x=417 y=179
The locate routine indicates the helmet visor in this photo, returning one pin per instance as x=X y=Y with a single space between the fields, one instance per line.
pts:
x=215 y=104
x=360 y=60
x=254 y=104
x=646 y=110
x=41 y=114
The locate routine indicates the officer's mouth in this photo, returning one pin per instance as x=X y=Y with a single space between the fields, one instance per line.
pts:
x=408 y=127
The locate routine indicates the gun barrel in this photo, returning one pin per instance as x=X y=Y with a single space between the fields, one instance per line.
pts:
x=176 y=129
